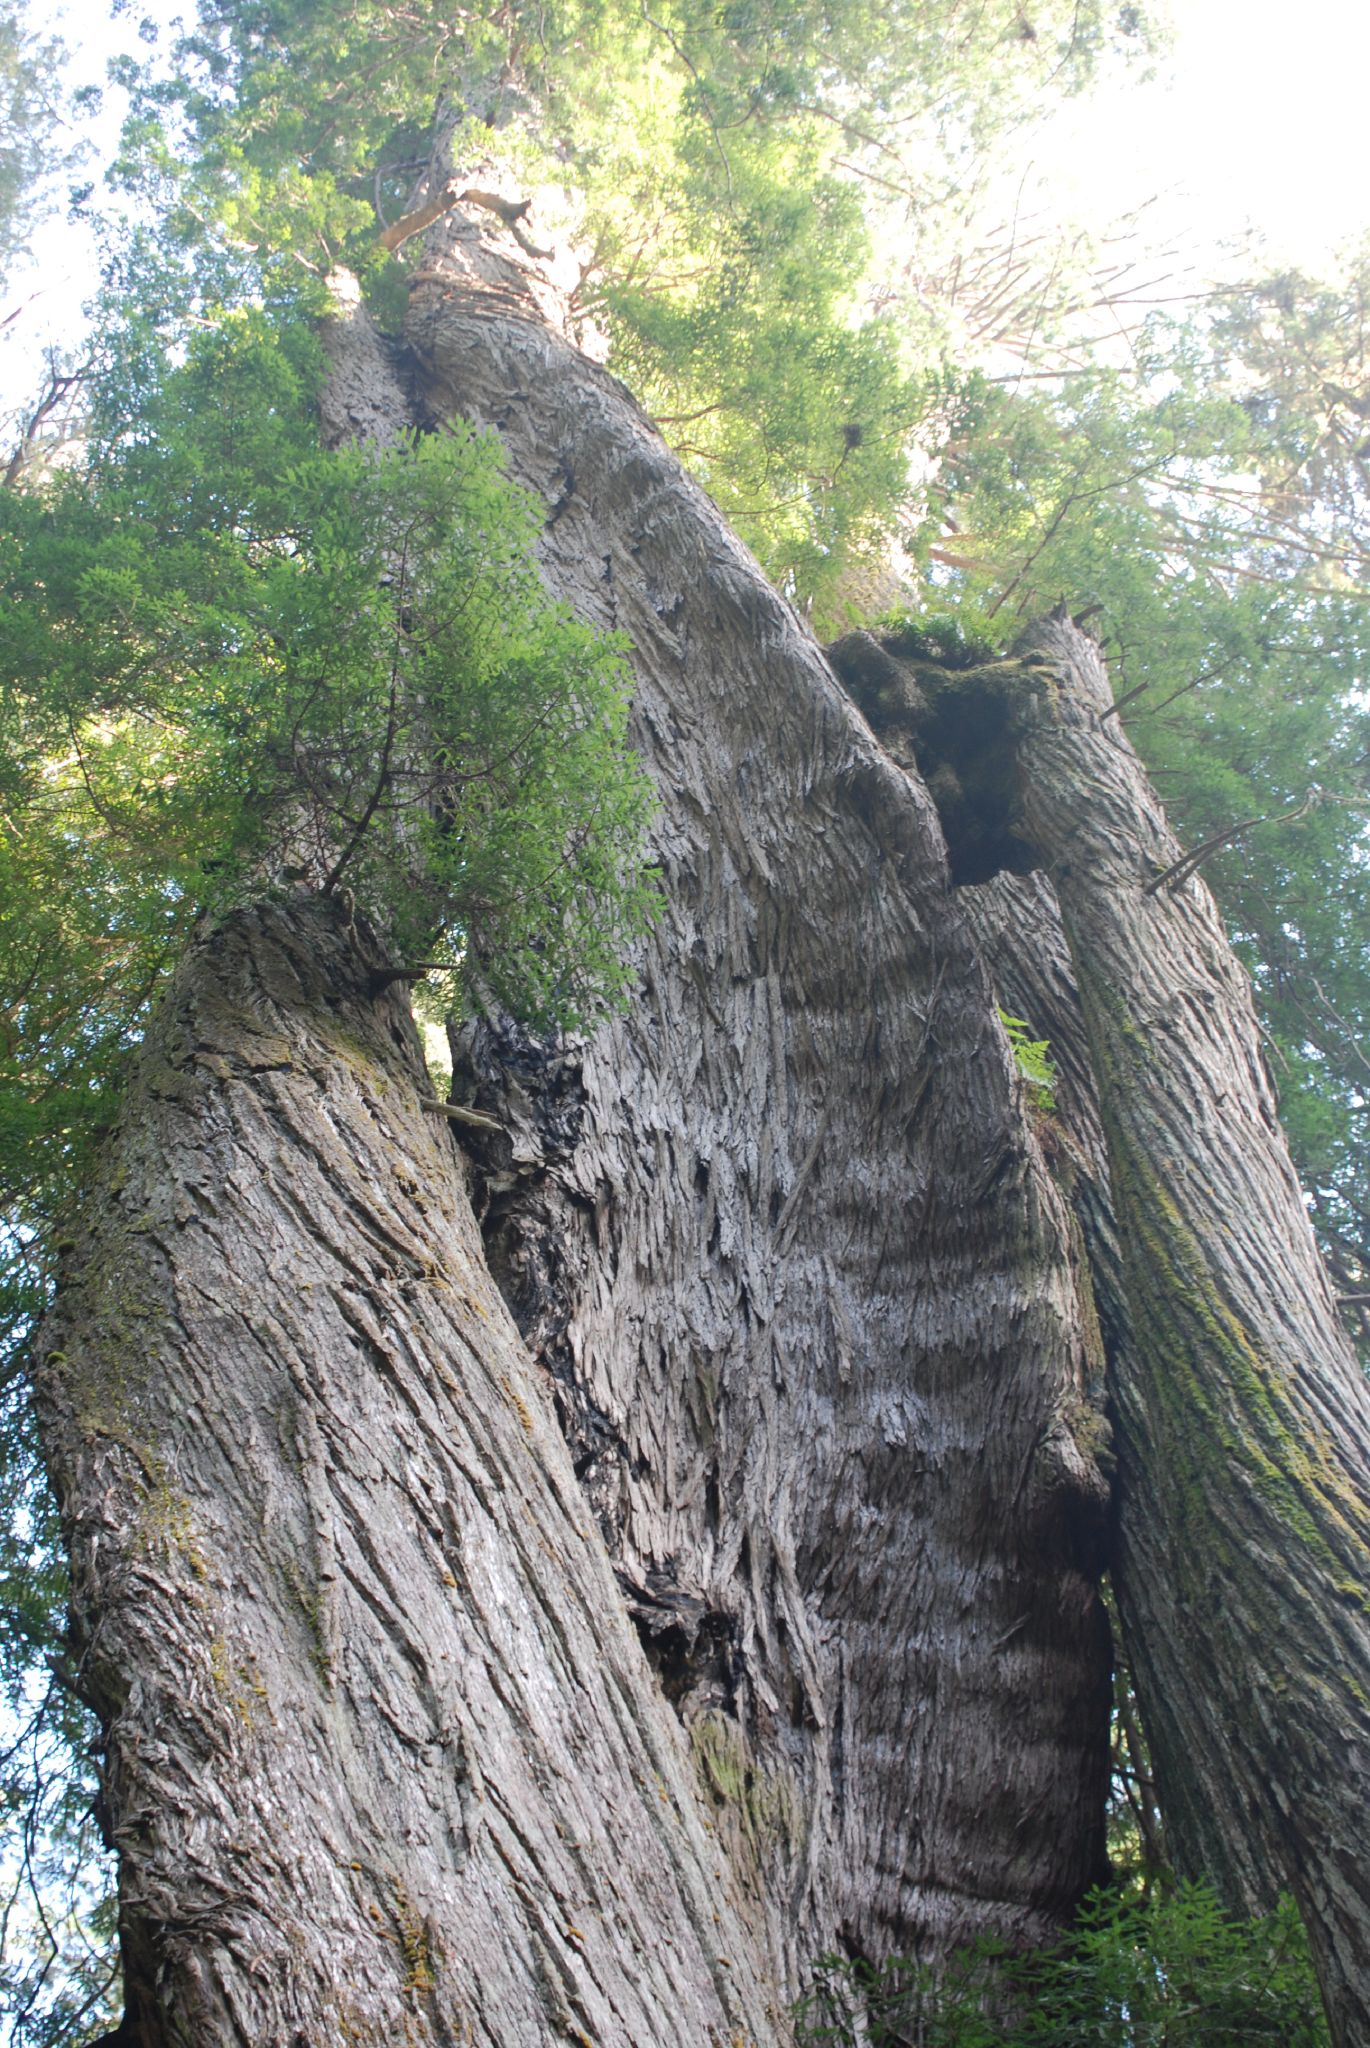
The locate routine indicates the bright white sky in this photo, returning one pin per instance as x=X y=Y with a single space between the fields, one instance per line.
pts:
x=1257 y=120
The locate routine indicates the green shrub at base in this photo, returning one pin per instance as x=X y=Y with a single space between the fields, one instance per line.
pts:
x=1172 y=1970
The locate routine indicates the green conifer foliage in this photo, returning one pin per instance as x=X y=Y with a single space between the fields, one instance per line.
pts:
x=230 y=660
x=1165 y=1969
x=722 y=175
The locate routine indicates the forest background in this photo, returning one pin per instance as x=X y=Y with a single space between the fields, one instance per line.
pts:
x=986 y=408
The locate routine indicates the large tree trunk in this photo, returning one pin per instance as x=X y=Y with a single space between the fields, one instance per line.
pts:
x=1243 y=1563
x=384 y=1759
x=797 y=1283
x=804 y=1231
x=1244 y=1418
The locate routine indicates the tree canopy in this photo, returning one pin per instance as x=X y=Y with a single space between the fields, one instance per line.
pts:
x=207 y=621
x=725 y=183
x=30 y=118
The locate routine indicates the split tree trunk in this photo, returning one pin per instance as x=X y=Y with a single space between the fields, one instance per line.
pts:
x=1243 y=1566
x=385 y=1758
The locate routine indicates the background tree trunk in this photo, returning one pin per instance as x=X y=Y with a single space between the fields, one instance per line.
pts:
x=384 y=1760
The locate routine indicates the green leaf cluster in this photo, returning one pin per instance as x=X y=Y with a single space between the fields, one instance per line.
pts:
x=231 y=660
x=1032 y=1057
x=1169 y=1971
x=729 y=179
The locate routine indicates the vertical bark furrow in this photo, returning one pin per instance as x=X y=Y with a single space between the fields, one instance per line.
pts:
x=810 y=1272
x=1244 y=1440
x=385 y=1761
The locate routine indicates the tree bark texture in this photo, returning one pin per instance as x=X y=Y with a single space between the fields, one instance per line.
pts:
x=807 y=1389
x=803 y=1281
x=385 y=1761
x=1243 y=1421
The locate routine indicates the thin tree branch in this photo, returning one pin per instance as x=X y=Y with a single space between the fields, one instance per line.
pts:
x=1188 y=864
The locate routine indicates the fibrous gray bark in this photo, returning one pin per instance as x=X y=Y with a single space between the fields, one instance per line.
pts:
x=1243 y=1419
x=814 y=1305
x=384 y=1759
x=384 y=1751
